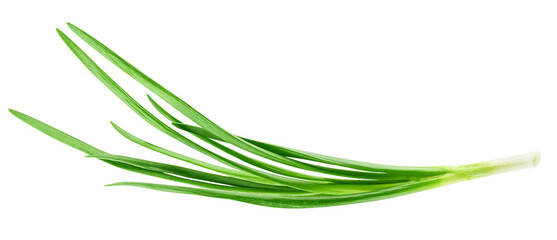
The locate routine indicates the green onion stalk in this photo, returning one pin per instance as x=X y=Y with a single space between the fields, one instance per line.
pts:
x=291 y=178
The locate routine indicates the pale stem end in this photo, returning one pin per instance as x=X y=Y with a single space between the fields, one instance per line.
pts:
x=500 y=165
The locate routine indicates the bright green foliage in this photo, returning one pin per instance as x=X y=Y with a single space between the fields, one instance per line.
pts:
x=323 y=180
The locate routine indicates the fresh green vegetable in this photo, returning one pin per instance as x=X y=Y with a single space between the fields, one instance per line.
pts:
x=323 y=180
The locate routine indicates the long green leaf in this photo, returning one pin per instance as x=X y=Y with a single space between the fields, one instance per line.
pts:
x=57 y=134
x=282 y=201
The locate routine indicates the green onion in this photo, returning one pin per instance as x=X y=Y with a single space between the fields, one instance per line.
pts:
x=290 y=179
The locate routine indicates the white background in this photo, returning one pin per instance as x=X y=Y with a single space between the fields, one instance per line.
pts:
x=395 y=82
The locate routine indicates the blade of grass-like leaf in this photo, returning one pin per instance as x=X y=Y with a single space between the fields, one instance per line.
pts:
x=155 y=122
x=216 y=168
x=282 y=201
x=182 y=106
x=290 y=152
x=57 y=134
